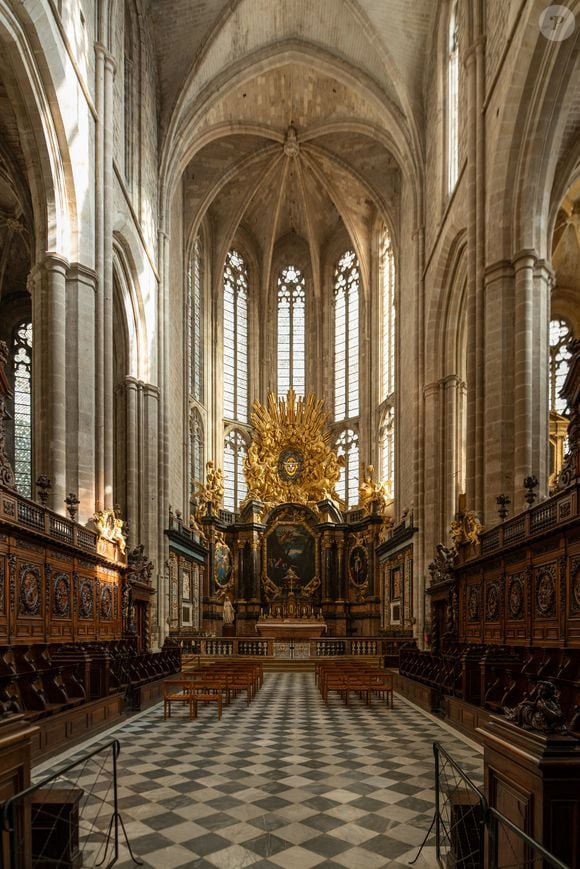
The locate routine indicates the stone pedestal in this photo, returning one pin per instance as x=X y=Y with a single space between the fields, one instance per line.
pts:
x=228 y=631
x=533 y=779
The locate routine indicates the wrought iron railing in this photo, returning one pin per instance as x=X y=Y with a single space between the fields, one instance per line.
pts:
x=471 y=834
x=70 y=818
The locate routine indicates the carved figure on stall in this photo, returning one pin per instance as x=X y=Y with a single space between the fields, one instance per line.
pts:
x=540 y=710
x=140 y=569
x=465 y=528
x=441 y=568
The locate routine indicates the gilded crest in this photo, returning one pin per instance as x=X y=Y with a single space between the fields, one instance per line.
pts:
x=291 y=459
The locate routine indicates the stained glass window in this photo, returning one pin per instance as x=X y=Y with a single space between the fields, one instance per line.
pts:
x=346 y=336
x=347 y=486
x=235 y=353
x=235 y=488
x=560 y=337
x=195 y=323
x=388 y=342
x=291 y=321
x=22 y=369
x=452 y=101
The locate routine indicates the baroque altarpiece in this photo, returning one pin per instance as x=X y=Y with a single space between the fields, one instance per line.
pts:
x=292 y=559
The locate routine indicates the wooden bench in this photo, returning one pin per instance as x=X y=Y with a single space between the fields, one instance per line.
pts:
x=178 y=691
x=199 y=695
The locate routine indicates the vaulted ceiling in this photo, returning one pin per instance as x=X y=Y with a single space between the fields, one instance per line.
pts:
x=291 y=119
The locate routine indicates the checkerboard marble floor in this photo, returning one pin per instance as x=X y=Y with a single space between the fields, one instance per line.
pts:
x=286 y=782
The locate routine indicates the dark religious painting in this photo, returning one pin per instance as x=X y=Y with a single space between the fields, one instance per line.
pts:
x=290 y=556
x=357 y=564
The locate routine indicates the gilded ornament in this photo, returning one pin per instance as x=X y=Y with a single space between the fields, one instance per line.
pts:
x=373 y=496
x=465 y=528
x=291 y=459
x=212 y=493
x=110 y=526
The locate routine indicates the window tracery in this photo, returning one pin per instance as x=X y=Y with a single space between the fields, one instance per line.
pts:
x=560 y=338
x=22 y=423
x=291 y=331
x=388 y=319
x=235 y=350
x=452 y=100
x=347 y=445
x=196 y=449
x=235 y=488
x=346 y=336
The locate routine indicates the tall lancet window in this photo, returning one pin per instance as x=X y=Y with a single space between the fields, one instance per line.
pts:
x=347 y=486
x=346 y=336
x=388 y=316
x=452 y=100
x=235 y=488
x=195 y=323
x=235 y=353
x=291 y=320
x=560 y=338
x=22 y=422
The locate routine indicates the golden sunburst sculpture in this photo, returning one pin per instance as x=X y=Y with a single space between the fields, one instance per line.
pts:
x=291 y=459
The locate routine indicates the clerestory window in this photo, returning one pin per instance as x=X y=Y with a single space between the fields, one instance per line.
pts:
x=291 y=331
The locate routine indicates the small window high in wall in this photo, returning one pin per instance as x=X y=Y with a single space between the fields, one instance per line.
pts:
x=291 y=331
x=452 y=100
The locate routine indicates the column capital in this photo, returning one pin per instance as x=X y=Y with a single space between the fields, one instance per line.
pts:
x=54 y=262
x=102 y=52
x=498 y=271
x=525 y=258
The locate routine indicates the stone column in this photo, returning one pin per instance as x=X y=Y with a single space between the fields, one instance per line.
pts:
x=432 y=463
x=499 y=374
x=543 y=282
x=107 y=278
x=104 y=78
x=80 y=393
x=131 y=456
x=524 y=264
x=54 y=399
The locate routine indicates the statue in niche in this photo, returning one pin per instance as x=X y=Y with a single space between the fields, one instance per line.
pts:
x=229 y=613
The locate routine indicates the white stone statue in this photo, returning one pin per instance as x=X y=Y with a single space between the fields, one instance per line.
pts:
x=229 y=612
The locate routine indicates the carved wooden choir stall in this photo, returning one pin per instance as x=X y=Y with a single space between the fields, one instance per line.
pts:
x=504 y=663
